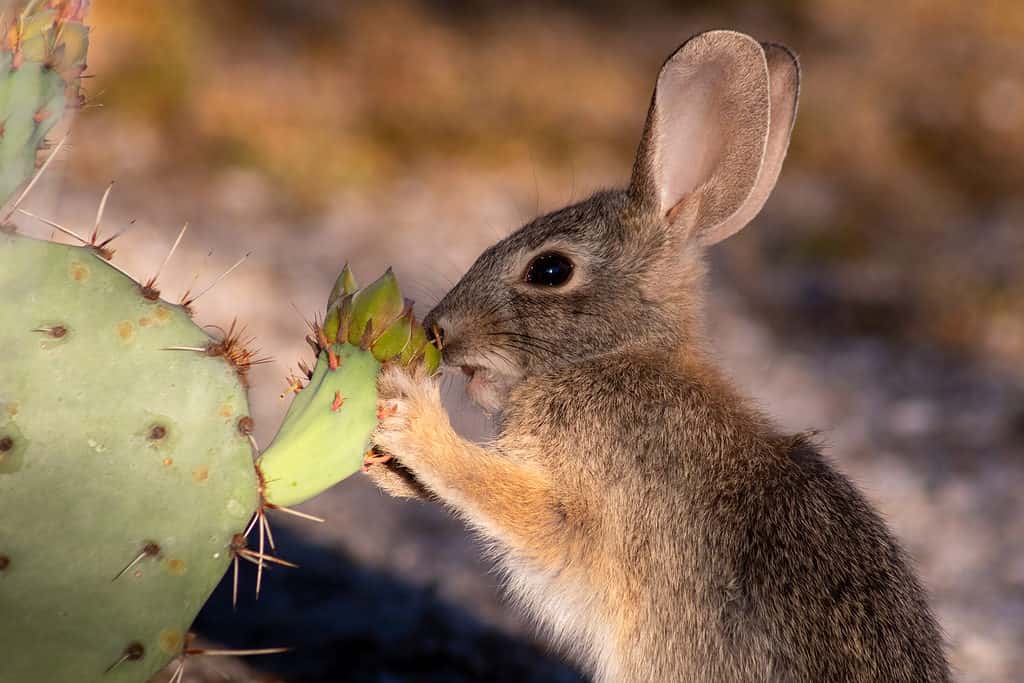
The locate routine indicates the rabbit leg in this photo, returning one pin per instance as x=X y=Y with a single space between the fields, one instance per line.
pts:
x=510 y=501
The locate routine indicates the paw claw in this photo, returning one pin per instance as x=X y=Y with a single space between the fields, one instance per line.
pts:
x=373 y=457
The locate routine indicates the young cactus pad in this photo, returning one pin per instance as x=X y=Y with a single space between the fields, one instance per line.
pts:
x=42 y=55
x=326 y=431
x=114 y=453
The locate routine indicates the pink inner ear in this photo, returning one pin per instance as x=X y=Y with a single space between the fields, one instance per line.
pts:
x=706 y=133
x=688 y=131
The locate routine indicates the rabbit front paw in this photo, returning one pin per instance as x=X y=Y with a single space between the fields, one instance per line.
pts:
x=412 y=419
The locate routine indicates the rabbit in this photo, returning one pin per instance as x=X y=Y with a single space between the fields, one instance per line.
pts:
x=654 y=524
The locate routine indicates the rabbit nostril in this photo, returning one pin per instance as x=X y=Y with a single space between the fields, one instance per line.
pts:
x=436 y=335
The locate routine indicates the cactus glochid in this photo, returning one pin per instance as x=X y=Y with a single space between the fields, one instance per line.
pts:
x=128 y=484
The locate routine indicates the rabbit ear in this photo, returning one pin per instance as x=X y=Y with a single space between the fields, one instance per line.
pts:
x=716 y=133
x=784 y=92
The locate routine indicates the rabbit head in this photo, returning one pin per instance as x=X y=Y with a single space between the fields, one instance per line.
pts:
x=624 y=268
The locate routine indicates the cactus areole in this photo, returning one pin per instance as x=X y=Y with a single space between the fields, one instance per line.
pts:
x=127 y=479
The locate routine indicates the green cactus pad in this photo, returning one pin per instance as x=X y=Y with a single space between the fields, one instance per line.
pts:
x=42 y=55
x=112 y=450
x=326 y=430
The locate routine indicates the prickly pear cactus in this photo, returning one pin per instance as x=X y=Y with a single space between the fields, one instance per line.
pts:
x=114 y=451
x=128 y=484
x=42 y=55
x=127 y=480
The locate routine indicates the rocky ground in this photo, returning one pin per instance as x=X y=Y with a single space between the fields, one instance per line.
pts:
x=395 y=591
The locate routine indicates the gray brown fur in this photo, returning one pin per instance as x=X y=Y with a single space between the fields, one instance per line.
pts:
x=657 y=527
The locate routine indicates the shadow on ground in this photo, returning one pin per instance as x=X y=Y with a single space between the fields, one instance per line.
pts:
x=352 y=624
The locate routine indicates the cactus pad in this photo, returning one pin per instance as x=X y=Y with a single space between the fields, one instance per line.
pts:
x=113 y=452
x=42 y=56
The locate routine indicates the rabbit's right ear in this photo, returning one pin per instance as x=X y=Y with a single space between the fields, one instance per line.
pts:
x=716 y=134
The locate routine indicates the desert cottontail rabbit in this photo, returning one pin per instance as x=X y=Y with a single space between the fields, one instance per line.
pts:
x=657 y=526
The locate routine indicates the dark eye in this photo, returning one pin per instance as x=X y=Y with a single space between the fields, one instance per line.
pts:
x=549 y=270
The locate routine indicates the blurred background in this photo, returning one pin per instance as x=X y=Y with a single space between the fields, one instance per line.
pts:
x=878 y=298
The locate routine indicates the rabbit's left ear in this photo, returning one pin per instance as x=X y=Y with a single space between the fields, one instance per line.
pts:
x=716 y=134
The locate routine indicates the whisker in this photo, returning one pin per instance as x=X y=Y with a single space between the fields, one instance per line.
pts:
x=493 y=309
x=503 y=356
x=527 y=345
x=505 y=321
x=528 y=340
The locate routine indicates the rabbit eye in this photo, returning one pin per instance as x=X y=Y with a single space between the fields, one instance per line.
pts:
x=549 y=270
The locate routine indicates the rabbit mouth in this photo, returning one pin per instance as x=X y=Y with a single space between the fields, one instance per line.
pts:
x=478 y=378
x=486 y=386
